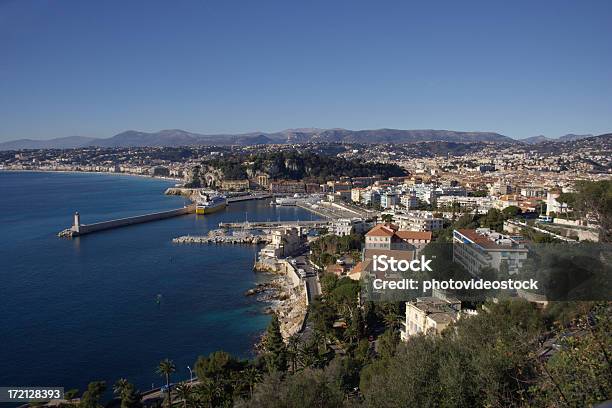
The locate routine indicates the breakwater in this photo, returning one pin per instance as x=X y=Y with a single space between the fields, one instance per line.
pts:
x=272 y=224
x=222 y=239
x=78 y=229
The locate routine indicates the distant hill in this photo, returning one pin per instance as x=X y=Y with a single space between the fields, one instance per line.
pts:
x=565 y=138
x=59 y=143
x=177 y=137
x=572 y=136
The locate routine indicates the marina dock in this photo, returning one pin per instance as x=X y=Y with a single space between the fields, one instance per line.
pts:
x=272 y=224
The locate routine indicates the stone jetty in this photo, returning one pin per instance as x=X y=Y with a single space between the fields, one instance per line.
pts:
x=215 y=237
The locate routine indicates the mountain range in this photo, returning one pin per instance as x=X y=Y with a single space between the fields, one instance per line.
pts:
x=567 y=138
x=177 y=137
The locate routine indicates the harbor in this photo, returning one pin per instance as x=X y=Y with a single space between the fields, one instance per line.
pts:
x=203 y=203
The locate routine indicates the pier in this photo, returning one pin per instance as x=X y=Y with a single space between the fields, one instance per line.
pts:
x=78 y=229
x=248 y=197
x=272 y=224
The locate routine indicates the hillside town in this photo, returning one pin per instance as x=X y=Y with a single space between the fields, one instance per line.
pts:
x=398 y=215
x=491 y=204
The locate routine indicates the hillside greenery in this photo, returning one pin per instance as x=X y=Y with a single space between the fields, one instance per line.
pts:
x=295 y=165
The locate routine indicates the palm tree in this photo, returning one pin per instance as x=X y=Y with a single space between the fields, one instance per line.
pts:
x=120 y=387
x=351 y=334
x=391 y=320
x=207 y=392
x=252 y=377
x=184 y=392
x=165 y=369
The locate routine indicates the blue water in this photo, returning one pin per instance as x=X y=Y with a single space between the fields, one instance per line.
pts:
x=73 y=311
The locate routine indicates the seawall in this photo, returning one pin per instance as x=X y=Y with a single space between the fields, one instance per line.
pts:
x=84 y=229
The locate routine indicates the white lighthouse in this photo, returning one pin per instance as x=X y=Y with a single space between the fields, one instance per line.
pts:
x=76 y=227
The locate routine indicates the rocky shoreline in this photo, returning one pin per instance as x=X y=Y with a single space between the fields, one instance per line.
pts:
x=190 y=193
x=286 y=301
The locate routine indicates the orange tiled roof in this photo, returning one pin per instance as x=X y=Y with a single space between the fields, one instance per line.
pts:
x=407 y=255
x=416 y=235
x=382 y=230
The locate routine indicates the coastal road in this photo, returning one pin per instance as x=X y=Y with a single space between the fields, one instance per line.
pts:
x=310 y=276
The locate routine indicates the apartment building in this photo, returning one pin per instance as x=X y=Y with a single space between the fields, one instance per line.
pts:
x=480 y=248
x=357 y=194
x=388 y=200
x=409 y=200
x=418 y=221
x=348 y=226
x=480 y=204
x=428 y=315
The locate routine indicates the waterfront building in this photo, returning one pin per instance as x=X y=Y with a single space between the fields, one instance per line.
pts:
x=475 y=249
x=337 y=186
x=236 y=185
x=287 y=187
x=313 y=188
x=284 y=242
x=263 y=180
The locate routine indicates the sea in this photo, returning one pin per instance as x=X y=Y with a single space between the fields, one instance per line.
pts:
x=113 y=304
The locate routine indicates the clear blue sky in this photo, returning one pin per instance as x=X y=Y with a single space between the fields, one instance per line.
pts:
x=521 y=68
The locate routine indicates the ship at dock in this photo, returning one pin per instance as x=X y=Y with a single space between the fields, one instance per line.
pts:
x=209 y=202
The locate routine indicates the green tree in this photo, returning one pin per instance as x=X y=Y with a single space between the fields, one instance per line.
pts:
x=130 y=397
x=580 y=373
x=387 y=218
x=594 y=200
x=252 y=376
x=511 y=211
x=217 y=365
x=293 y=350
x=71 y=394
x=184 y=392
x=91 y=397
x=308 y=388
x=165 y=369
x=494 y=219
x=276 y=352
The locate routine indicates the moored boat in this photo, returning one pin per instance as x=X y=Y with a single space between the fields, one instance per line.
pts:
x=210 y=202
